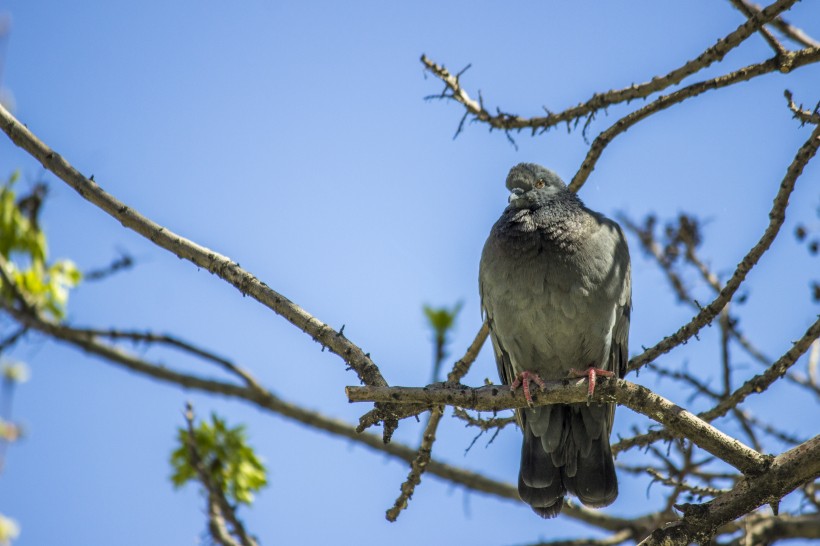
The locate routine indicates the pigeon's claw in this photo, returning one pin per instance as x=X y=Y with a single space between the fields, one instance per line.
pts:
x=523 y=379
x=591 y=373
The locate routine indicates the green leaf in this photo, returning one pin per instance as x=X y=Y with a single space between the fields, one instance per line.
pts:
x=25 y=248
x=442 y=319
x=231 y=464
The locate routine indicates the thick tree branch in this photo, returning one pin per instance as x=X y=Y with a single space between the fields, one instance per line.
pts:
x=267 y=401
x=637 y=398
x=787 y=472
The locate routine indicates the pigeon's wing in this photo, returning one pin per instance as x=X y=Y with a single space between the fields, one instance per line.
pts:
x=619 y=346
x=502 y=356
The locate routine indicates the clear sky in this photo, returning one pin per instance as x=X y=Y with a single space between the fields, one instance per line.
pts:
x=294 y=138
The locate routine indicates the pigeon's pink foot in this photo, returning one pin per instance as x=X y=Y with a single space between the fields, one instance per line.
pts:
x=591 y=373
x=523 y=379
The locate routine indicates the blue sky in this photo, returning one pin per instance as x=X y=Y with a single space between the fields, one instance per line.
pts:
x=294 y=138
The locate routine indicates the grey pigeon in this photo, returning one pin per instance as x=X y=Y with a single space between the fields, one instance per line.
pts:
x=556 y=290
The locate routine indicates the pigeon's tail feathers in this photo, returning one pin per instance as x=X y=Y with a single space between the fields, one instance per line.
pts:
x=593 y=478
x=539 y=480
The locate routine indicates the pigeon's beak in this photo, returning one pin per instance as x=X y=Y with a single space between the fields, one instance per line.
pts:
x=515 y=194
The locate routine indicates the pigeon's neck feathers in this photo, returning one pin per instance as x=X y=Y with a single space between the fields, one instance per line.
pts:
x=561 y=220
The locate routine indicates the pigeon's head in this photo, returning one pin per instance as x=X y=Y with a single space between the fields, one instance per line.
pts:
x=532 y=185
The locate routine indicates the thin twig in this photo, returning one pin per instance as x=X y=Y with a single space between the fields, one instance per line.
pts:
x=505 y=121
x=793 y=33
x=425 y=452
x=750 y=12
x=782 y=63
x=777 y=216
x=805 y=116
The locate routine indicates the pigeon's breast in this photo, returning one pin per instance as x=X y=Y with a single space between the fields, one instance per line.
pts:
x=551 y=314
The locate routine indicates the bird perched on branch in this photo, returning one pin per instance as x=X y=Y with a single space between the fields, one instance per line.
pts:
x=556 y=291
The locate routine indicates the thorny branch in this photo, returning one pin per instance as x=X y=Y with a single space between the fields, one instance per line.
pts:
x=506 y=122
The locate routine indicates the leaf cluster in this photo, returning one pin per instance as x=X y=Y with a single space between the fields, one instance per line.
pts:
x=230 y=464
x=23 y=247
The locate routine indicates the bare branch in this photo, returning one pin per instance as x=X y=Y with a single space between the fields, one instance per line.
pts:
x=700 y=522
x=777 y=215
x=506 y=122
x=177 y=343
x=425 y=452
x=12 y=339
x=791 y=32
x=618 y=538
x=764 y=529
x=637 y=398
x=419 y=464
x=649 y=243
x=123 y=263
x=750 y=12
x=219 y=265
x=805 y=116
x=783 y=63
x=265 y=400
x=760 y=383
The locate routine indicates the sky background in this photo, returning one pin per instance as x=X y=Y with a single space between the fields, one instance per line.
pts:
x=295 y=138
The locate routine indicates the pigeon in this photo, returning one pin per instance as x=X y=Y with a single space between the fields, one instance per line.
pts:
x=556 y=291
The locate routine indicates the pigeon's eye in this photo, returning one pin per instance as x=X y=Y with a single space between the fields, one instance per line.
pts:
x=539 y=183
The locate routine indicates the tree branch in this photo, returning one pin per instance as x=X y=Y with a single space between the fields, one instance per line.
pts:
x=219 y=265
x=507 y=122
x=783 y=63
x=793 y=33
x=700 y=522
x=637 y=398
x=777 y=216
x=805 y=116
x=267 y=401
x=425 y=452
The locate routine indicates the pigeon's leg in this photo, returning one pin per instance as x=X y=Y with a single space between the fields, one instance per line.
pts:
x=523 y=379
x=591 y=373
